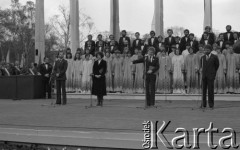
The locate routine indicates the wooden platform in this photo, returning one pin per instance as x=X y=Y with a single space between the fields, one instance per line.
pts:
x=117 y=125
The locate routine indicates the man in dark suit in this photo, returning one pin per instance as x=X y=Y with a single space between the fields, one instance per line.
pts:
x=209 y=67
x=210 y=35
x=60 y=69
x=193 y=43
x=137 y=43
x=153 y=42
x=112 y=44
x=169 y=41
x=206 y=40
x=100 y=44
x=228 y=36
x=221 y=42
x=46 y=70
x=90 y=44
x=152 y=65
x=184 y=40
x=124 y=41
x=99 y=79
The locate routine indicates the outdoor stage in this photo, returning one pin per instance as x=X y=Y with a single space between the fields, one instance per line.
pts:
x=116 y=125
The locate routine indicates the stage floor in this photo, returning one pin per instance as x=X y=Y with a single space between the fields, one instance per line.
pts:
x=118 y=124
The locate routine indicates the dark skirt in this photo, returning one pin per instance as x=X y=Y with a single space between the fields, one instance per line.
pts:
x=99 y=86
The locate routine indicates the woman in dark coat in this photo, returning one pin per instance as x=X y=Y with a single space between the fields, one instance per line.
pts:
x=99 y=79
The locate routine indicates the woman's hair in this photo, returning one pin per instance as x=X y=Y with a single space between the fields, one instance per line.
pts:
x=190 y=48
x=75 y=57
x=68 y=55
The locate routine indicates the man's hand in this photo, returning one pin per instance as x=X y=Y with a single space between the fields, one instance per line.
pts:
x=97 y=76
x=57 y=75
x=149 y=71
x=225 y=71
x=47 y=75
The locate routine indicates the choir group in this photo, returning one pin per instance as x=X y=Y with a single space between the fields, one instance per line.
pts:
x=179 y=61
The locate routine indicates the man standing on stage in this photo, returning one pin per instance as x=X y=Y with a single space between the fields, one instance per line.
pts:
x=209 y=67
x=151 y=64
x=46 y=70
x=60 y=69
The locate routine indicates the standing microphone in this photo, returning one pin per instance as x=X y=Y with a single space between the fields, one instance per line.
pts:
x=146 y=56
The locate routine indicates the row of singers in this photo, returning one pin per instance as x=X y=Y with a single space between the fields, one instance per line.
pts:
x=178 y=73
x=208 y=38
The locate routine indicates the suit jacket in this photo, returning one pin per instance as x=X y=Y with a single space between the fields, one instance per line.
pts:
x=112 y=45
x=100 y=45
x=211 y=38
x=194 y=44
x=122 y=45
x=223 y=44
x=183 y=43
x=43 y=70
x=155 y=44
x=231 y=38
x=61 y=68
x=100 y=69
x=135 y=45
x=209 y=67
x=154 y=65
x=90 y=45
x=17 y=70
x=168 y=44
x=209 y=41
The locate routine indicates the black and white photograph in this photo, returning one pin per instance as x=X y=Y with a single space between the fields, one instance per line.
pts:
x=119 y=74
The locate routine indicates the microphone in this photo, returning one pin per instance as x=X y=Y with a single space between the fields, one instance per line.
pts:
x=146 y=56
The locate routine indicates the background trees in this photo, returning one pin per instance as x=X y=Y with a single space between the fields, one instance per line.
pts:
x=17 y=31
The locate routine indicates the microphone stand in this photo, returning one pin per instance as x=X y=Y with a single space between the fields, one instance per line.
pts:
x=145 y=72
x=201 y=107
x=165 y=94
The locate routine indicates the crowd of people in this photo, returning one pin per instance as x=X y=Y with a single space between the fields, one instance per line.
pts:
x=179 y=63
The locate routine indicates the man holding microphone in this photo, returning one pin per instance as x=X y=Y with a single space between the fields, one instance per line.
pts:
x=151 y=64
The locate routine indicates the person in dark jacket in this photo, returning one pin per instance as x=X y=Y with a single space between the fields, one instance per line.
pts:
x=99 y=79
x=228 y=36
x=60 y=69
x=124 y=41
x=169 y=41
x=90 y=45
x=46 y=70
x=209 y=66
x=152 y=65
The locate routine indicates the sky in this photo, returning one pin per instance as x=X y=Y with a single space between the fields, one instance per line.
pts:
x=136 y=15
